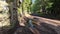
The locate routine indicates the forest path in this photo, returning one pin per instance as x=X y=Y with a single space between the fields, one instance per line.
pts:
x=47 y=25
x=43 y=26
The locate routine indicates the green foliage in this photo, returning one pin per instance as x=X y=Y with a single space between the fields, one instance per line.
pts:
x=55 y=7
x=37 y=6
x=26 y=6
x=51 y=7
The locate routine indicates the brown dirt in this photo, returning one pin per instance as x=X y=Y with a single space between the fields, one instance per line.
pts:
x=41 y=26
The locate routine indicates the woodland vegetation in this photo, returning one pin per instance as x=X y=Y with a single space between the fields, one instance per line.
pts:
x=29 y=16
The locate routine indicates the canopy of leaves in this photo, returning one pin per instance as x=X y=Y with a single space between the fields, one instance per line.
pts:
x=37 y=6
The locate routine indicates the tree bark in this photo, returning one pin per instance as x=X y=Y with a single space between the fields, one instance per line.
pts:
x=13 y=17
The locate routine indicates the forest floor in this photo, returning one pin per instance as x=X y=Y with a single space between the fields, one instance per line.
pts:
x=47 y=26
x=41 y=26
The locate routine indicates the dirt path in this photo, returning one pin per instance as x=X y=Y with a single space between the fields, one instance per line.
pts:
x=41 y=26
x=48 y=24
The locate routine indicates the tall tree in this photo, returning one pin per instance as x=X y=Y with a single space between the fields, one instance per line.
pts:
x=13 y=16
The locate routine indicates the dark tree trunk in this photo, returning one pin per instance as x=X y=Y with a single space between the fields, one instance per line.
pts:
x=13 y=17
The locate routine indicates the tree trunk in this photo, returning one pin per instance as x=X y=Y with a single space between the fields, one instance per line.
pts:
x=43 y=6
x=14 y=17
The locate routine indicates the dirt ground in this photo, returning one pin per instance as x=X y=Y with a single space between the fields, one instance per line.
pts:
x=40 y=26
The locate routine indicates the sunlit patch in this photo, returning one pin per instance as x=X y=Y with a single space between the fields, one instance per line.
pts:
x=4 y=14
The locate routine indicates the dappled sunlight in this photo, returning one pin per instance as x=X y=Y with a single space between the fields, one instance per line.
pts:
x=4 y=15
x=54 y=24
x=42 y=23
x=49 y=21
x=22 y=17
x=4 y=21
x=27 y=15
x=2 y=4
x=4 y=24
x=21 y=21
x=46 y=20
x=22 y=24
x=57 y=22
